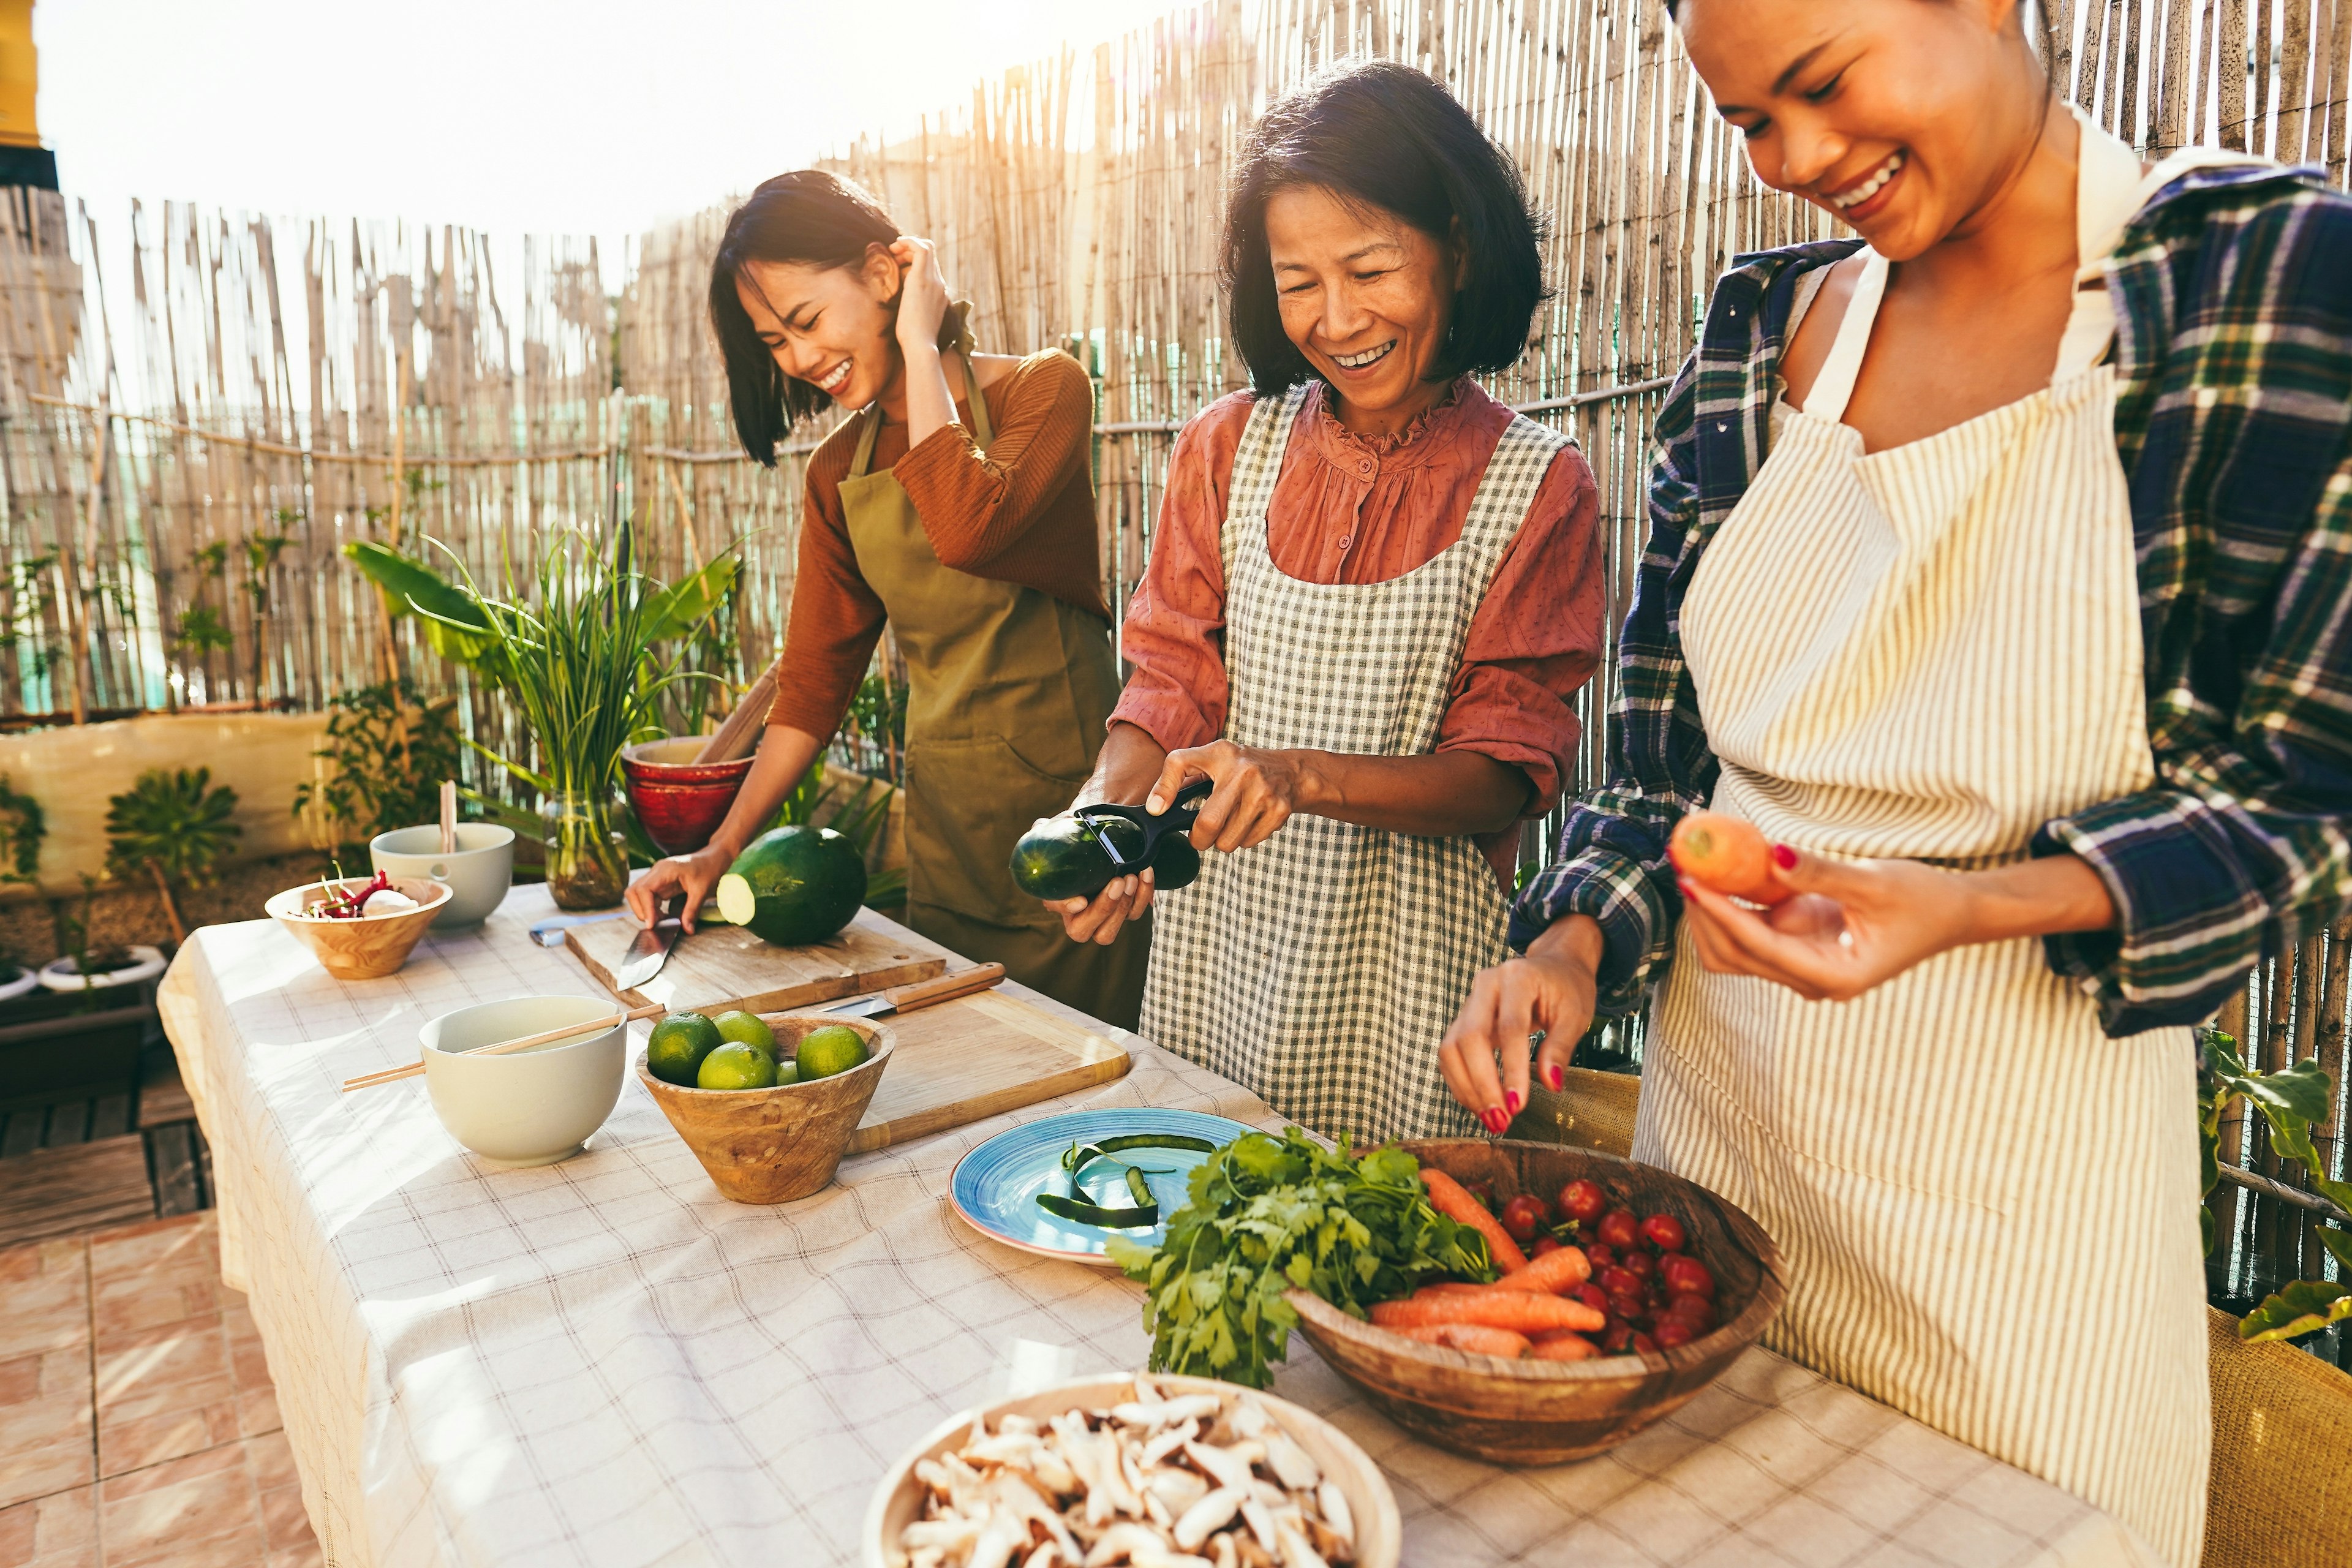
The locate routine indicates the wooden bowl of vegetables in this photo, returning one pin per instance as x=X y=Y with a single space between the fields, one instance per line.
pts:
x=355 y=932
x=1518 y=1407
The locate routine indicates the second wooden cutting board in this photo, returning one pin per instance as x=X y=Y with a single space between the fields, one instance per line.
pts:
x=965 y=1060
x=721 y=963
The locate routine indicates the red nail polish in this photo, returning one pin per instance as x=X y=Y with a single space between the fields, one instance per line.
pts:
x=1496 y=1120
x=1784 y=856
x=1511 y=1100
x=1553 y=1076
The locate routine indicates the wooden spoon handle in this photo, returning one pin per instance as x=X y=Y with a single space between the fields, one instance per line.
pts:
x=738 y=733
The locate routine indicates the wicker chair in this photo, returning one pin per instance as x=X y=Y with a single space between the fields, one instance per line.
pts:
x=2281 y=1484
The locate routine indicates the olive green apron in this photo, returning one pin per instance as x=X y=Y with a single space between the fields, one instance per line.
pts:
x=1009 y=690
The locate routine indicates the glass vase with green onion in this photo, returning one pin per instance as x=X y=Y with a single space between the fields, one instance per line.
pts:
x=585 y=656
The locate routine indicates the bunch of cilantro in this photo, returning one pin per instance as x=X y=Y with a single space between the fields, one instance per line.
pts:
x=1269 y=1213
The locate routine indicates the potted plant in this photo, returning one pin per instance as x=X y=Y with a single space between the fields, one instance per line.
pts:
x=573 y=649
x=22 y=828
x=174 y=827
x=82 y=1037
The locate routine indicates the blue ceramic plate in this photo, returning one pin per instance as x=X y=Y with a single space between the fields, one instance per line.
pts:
x=994 y=1188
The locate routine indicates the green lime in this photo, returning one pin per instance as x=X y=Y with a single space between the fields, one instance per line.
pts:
x=746 y=1028
x=674 y=1051
x=834 y=1049
x=737 y=1066
x=787 y=1071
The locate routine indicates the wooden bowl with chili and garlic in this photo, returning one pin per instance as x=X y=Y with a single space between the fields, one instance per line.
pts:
x=1537 y=1412
x=374 y=940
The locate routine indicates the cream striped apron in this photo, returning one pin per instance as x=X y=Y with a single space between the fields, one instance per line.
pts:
x=1988 y=1208
x=1320 y=969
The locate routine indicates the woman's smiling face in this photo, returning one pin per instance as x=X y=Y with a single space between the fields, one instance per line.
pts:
x=828 y=326
x=1364 y=295
x=1889 y=114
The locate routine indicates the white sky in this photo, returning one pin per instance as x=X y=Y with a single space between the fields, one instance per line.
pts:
x=559 y=116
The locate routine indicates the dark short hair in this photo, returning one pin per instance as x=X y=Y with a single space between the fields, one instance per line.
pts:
x=1391 y=138
x=807 y=216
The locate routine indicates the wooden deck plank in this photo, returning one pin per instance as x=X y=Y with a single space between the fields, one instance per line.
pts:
x=177 y=1191
x=110 y=1117
x=162 y=1096
x=63 y=1192
x=22 y=1134
x=68 y=1125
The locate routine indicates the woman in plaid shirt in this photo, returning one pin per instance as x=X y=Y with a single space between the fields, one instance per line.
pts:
x=2040 y=684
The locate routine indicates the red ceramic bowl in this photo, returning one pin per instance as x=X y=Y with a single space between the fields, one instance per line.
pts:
x=681 y=801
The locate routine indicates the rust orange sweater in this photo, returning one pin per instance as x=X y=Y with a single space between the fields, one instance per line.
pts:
x=1023 y=512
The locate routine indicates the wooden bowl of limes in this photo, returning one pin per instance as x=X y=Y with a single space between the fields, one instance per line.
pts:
x=769 y=1142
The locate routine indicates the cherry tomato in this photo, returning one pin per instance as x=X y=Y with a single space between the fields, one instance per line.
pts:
x=1641 y=1264
x=1687 y=1277
x=1545 y=1244
x=1620 y=1230
x=1598 y=1256
x=1591 y=1295
x=1673 y=1331
x=1526 y=1216
x=1632 y=1309
x=1662 y=1231
x=1617 y=1337
x=1696 y=1311
x=1619 y=1282
x=1583 y=1200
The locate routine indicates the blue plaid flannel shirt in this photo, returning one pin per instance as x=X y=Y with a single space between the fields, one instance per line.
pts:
x=2234 y=359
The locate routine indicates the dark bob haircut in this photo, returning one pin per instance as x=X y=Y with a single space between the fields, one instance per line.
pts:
x=1391 y=138
x=808 y=216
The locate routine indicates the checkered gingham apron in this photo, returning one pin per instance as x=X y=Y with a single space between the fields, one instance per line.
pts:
x=1320 y=969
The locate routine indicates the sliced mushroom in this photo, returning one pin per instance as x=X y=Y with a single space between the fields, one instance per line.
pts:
x=1168 y=1441
x=1226 y=1466
x=1179 y=1488
x=1297 y=1553
x=1045 y=1556
x=1333 y=1503
x=1260 y=1523
x=1126 y=1543
x=998 y=1541
x=1293 y=1466
x=1205 y=1517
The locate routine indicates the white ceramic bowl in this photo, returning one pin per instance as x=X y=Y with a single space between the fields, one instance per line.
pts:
x=1380 y=1534
x=479 y=874
x=529 y=1108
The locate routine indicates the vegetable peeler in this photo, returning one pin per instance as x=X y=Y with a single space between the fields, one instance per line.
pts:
x=1177 y=819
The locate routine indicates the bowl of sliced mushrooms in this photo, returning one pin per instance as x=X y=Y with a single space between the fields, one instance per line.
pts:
x=1143 y=1471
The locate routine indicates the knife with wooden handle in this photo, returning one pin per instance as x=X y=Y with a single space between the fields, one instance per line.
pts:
x=922 y=994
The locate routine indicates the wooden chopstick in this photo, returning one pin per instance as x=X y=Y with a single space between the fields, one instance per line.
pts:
x=545 y=1037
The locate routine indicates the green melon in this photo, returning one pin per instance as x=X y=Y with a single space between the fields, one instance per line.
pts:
x=794 y=886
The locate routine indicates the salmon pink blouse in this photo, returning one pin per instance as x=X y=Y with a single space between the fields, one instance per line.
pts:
x=1348 y=508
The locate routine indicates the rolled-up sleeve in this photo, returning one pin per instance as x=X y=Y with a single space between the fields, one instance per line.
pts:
x=2242 y=846
x=1173 y=637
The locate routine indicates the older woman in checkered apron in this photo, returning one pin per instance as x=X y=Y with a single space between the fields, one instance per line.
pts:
x=1372 y=591
x=1997 y=573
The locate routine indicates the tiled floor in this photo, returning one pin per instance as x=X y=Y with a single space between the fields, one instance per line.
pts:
x=137 y=1421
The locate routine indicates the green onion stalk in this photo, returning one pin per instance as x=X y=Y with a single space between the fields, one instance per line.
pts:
x=577 y=663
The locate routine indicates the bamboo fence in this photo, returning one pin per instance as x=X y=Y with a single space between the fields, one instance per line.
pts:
x=153 y=444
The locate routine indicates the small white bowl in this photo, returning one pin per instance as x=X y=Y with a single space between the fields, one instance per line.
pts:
x=528 y=1108
x=479 y=874
x=58 y=975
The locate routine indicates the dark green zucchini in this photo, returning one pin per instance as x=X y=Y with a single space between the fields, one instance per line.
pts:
x=1059 y=859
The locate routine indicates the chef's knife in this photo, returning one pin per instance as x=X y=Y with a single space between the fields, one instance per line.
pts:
x=922 y=994
x=650 y=950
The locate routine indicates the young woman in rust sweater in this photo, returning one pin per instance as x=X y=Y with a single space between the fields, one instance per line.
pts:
x=965 y=518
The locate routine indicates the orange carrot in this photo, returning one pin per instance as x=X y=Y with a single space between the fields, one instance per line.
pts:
x=1449 y=1288
x=1452 y=1199
x=1563 y=1347
x=1728 y=854
x=1521 y=1310
x=1562 y=1269
x=1472 y=1338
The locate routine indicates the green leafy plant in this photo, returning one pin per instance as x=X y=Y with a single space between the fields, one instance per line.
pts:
x=389 y=747
x=23 y=827
x=876 y=719
x=2290 y=1099
x=1268 y=1215
x=572 y=646
x=176 y=826
x=73 y=940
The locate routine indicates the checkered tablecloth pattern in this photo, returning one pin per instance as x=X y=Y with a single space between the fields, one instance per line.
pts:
x=604 y=1362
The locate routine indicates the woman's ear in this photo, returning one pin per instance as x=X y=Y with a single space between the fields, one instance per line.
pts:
x=882 y=275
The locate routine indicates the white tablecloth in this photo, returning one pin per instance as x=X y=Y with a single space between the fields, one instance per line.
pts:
x=604 y=1362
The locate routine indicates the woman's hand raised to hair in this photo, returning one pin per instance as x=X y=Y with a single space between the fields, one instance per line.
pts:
x=922 y=293
x=1856 y=924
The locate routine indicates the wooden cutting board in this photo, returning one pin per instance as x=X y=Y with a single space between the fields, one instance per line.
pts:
x=727 y=963
x=964 y=1060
